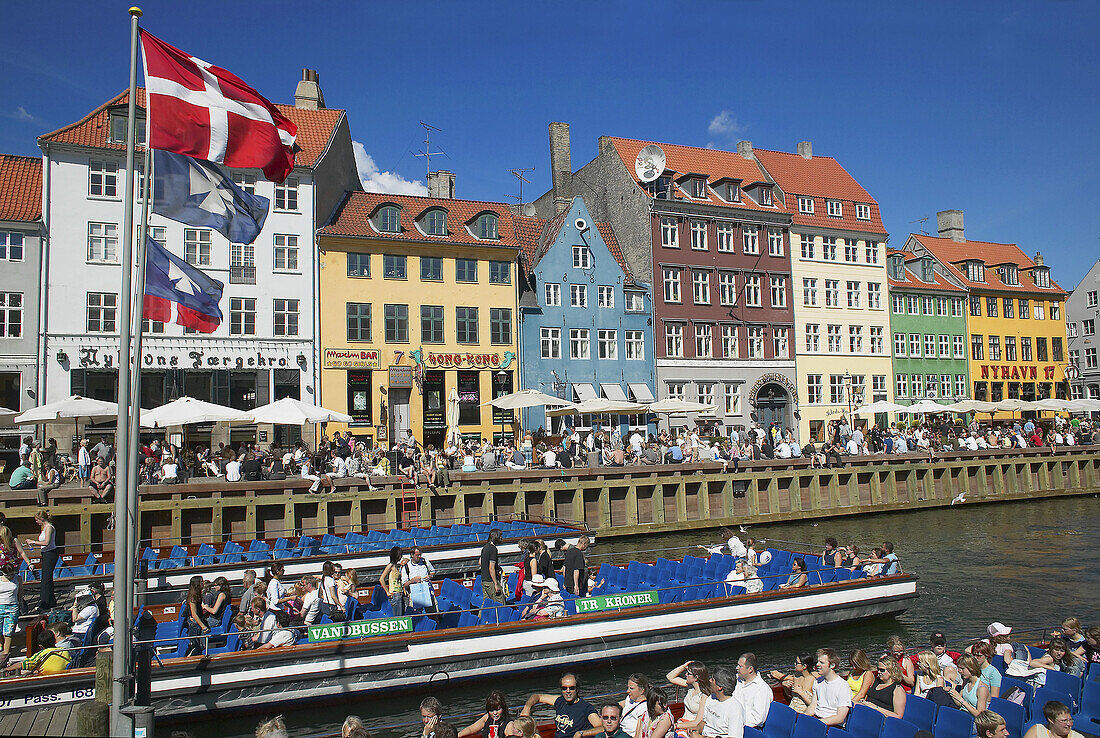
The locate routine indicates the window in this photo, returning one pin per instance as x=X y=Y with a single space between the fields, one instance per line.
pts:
x=975 y=271
x=704 y=341
x=635 y=345
x=486 y=226
x=960 y=386
x=675 y=390
x=874 y=295
x=466 y=324
x=1090 y=358
x=914 y=345
x=552 y=295
x=871 y=252
x=578 y=295
x=832 y=293
x=813 y=337
x=853 y=294
x=899 y=304
x=729 y=342
x=945 y=385
x=899 y=344
x=431 y=324
x=929 y=346
x=828 y=248
x=674 y=339
x=286 y=317
x=698 y=188
x=1088 y=327
x=835 y=208
x=578 y=343
x=358 y=264
x=781 y=343
x=975 y=306
x=551 y=343
x=500 y=272
x=725 y=236
x=118 y=127
x=359 y=321
x=582 y=257
x=605 y=296
x=926 y=305
x=500 y=325
x=806 y=205
x=808 y=247
x=916 y=384
x=1008 y=303
x=1055 y=311
x=1039 y=311
x=727 y=289
x=434 y=222
x=855 y=339
x=1010 y=348
x=733 y=399
x=912 y=304
x=1092 y=298
x=756 y=342
x=876 y=339
x=11 y=246
x=930 y=384
x=750 y=239
x=779 y=291
x=944 y=346
x=11 y=314
x=995 y=348
x=775 y=243
x=670 y=235
x=1008 y=274
x=1042 y=277
x=388 y=219
x=902 y=385
x=942 y=306
x=991 y=306
x=242 y=316
x=242 y=263
x=813 y=389
x=878 y=387
x=103 y=178
x=705 y=391
x=1071 y=330
x=863 y=212
x=698 y=235
x=1041 y=349
x=396 y=319
x=245 y=181
x=672 y=285
x=956 y=307
x=1056 y=349
x=635 y=302
x=1025 y=309
x=153 y=326
x=833 y=334
x=765 y=196
x=466 y=270
x=700 y=287
x=851 y=254
x=733 y=192
x=809 y=292
x=836 y=389
x=286 y=252
x=431 y=268
x=103 y=243
x=977 y=350
x=286 y=194
x=752 y=290
x=958 y=347
x=393 y=266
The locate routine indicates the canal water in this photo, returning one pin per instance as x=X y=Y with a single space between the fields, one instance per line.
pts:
x=1026 y=564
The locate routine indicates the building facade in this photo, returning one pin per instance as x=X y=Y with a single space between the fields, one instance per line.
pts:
x=928 y=331
x=838 y=274
x=264 y=347
x=418 y=305
x=1015 y=317
x=20 y=252
x=585 y=322
x=1082 y=319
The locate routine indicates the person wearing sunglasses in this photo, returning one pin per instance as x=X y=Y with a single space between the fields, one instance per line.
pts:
x=611 y=714
x=574 y=717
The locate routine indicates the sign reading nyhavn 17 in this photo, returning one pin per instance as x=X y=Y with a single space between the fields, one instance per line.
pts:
x=616 y=602
x=359 y=629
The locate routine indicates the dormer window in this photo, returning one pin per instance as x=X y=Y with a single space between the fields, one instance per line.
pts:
x=118 y=126
x=1042 y=277
x=733 y=192
x=434 y=222
x=765 y=196
x=698 y=188
x=897 y=268
x=926 y=270
x=835 y=208
x=387 y=219
x=975 y=271
x=486 y=226
x=806 y=205
x=1009 y=274
x=863 y=212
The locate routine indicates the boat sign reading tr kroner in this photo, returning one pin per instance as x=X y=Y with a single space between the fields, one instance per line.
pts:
x=359 y=629
x=616 y=602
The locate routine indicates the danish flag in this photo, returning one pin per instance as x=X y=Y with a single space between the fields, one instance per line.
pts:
x=200 y=110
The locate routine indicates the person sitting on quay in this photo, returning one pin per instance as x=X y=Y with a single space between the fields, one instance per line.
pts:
x=22 y=477
x=574 y=717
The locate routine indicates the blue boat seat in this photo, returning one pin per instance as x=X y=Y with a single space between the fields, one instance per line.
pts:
x=780 y=721
x=807 y=726
x=920 y=711
x=863 y=722
x=952 y=724
x=893 y=727
x=1015 y=715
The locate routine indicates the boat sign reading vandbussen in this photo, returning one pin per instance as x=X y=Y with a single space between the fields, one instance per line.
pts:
x=359 y=629
x=615 y=602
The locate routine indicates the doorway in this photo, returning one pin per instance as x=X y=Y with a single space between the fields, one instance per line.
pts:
x=771 y=406
x=399 y=413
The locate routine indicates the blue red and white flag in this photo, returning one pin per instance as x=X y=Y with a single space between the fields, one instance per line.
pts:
x=197 y=109
x=169 y=279
x=198 y=193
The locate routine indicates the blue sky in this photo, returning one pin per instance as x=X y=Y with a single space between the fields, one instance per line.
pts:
x=987 y=107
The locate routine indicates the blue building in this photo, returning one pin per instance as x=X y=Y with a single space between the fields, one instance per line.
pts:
x=585 y=323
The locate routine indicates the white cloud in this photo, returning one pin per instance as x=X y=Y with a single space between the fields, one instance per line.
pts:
x=375 y=180
x=20 y=114
x=724 y=125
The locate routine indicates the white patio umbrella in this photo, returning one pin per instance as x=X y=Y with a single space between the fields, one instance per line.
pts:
x=6 y=416
x=881 y=406
x=289 y=411
x=188 y=410
x=599 y=406
x=452 y=416
x=971 y=406
x=676 y=405
x=526 y=398
x=1084 y=405
x=1013 y=406
x=72 y=407
x=1052 y=404
x=927 y=406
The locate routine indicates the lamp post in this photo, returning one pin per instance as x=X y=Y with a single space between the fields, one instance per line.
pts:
x=500 y=377
x=848 y=395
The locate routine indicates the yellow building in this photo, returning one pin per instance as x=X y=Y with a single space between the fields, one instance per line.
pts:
x=418 y=307
x=1016 y=323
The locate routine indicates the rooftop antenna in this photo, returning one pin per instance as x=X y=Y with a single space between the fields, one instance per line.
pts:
x=427 y=153
x=922 y=222
x=518 y=174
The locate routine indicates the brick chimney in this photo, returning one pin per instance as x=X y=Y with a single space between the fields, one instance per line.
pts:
x=1039 y=259
x=561 y=167
x=950 y=225
x=805 y=149
x=308 y=94
x=441 y=184
x=744 y=148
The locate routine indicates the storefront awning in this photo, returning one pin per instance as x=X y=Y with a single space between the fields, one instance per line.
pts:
x=641 y=393
x=613 y=392
x=584 y=392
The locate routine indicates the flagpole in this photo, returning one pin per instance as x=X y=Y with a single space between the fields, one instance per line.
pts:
x=121 y=659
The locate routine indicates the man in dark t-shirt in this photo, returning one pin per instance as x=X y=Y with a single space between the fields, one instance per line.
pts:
x=252 y=469
x=576 y=572
x=573 y=716
x=491 y=586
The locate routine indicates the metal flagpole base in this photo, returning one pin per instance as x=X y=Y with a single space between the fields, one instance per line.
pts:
x=142 y=719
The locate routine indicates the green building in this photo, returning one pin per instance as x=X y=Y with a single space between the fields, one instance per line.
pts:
x=928 y=323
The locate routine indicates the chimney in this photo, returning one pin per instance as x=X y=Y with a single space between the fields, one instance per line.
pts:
x=441 y=184
x=308 y=94
x=561 y=167
x=744 y=148
x=950 y=225
x=805 y=149
x=1038 y=259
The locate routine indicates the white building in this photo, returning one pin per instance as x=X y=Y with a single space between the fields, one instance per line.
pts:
x=265 y=347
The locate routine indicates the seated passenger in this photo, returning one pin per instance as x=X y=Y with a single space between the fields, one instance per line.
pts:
x=832 y=698
x=989 y=724
x=283 y=635
x=973 y=695
x=887 y=695
x=1058 y=723
x=1059 y=658
x=798 y=576
x=49 y=659
x=721 y=716
x=549 y=603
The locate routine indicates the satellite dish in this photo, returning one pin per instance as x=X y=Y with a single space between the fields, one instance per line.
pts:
x=650 y=163
x=529 y=209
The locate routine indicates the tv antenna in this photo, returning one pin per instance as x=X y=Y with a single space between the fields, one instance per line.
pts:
x=922 y=222
x=518 y=174
x=427 y=153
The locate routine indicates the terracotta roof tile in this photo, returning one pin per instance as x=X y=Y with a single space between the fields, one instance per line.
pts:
x=20 y=188
x=952 y=253
x=939 y=283
x=714 y=163
x=608 y=235
x=528 y=231
x=821 y=177
x=315 y=128
x=353 y=219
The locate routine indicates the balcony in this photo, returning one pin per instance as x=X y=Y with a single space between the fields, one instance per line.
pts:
x=242 y=275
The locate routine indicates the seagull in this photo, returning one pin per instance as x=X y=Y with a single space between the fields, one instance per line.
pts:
x=960 y=498
x=711 y=549
x=744 y=528
x=813 y=525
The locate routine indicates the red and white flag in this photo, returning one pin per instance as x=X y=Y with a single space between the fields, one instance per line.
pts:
x=200 y=110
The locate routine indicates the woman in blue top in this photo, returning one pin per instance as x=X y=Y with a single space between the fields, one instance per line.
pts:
x=798 y=575
x=973 y=696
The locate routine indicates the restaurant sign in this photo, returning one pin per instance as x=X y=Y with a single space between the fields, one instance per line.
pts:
x=1016 y=372
x=433 y=360
x=359 y=629
x=350 y=359
x=617 y=602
